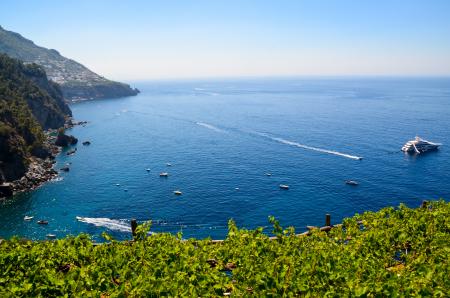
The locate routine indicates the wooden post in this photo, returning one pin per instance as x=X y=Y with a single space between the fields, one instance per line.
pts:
x=133 y=227
x=424 y=204
x=327 y=220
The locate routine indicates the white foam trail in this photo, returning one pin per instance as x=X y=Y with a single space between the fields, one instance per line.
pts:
x=209 y=126
x=291 y=143
x=112 y=224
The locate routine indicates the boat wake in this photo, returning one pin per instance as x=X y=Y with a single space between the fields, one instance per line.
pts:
x=295 y=144
x=112 y=224
x=280 y=140
x=209 y=126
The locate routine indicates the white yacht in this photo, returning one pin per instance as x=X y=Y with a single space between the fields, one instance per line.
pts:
x=419 y=145
x=284 y=186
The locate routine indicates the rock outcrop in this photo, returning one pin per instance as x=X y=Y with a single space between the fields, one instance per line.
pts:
x=63 y=140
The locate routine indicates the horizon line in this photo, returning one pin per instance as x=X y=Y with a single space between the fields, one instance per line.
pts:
x=285 y=77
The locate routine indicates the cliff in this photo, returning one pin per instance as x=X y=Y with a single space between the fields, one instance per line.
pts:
x=76 y=81
x=29 y=103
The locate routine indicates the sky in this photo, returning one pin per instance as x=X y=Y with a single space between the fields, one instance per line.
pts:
x=167 y=39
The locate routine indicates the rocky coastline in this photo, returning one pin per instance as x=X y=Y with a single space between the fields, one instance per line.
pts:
x=40 y=169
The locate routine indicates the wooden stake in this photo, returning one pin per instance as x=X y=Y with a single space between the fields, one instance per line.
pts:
x=133 y=227
x=424 y=204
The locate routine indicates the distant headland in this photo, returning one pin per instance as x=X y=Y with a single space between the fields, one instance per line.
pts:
x=77 y=82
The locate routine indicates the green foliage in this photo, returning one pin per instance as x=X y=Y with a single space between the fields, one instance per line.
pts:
x=390 y=253
x=5 y=130
x=20 y=132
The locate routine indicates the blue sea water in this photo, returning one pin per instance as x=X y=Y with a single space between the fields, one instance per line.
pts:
x=222 y=137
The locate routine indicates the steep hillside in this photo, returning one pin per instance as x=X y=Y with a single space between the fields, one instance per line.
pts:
x=28 y=103
x=77 y=82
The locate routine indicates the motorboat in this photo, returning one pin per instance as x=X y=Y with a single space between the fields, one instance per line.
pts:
x=51 y=236
x=177 y=192
x=42 y=222
x=27 y=218
x=419 y=145
x=164 y=174
x=351 y=182
x=284 y=186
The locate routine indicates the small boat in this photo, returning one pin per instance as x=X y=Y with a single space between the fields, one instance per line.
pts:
x=419 y=145
x=237 y=188
x=28 y=217
x=284 y=186
x=164 y=174
x=148 y=170
x=268 y=174
x=86 y=143
x=177 y=192
x=117 y=184
x=168 y=164
x=351 y=182
x=42 y=222
x=51 y=236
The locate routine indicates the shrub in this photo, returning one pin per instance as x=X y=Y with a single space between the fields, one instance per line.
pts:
x=392 y=252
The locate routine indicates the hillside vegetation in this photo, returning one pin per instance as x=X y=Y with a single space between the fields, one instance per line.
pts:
x=390 y=253
x=29 y=103
x=76 y=81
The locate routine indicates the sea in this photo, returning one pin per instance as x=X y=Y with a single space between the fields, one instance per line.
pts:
x=229 y=144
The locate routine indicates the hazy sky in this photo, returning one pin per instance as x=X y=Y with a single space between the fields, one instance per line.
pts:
x=131 y=40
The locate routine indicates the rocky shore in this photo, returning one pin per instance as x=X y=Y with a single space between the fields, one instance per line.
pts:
x=40 y=170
